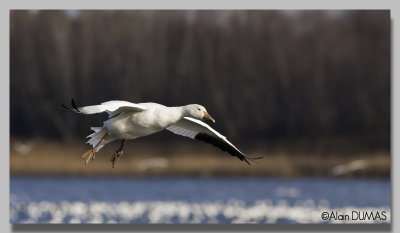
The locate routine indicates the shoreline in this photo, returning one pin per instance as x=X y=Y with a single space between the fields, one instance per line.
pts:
x=193 y=160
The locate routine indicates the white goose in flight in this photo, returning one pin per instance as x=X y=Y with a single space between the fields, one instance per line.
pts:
x=129 y=121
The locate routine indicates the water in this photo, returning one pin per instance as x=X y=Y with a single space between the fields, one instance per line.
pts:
x=192 y=200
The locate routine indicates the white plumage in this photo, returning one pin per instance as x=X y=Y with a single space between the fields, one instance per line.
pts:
x=112 y=106
x=129 y=121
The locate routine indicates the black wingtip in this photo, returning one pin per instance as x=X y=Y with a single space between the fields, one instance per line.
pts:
x=65 y=108
x=255 y=158
x=247 y=158
x=68 y=109
x=247 y=161
x=74 y=105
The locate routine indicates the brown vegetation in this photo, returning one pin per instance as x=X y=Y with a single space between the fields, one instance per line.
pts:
x=193 y=159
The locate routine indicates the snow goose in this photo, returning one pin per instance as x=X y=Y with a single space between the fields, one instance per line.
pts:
x=129 y=121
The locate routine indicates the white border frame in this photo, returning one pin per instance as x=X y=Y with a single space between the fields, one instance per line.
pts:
x=188 y=4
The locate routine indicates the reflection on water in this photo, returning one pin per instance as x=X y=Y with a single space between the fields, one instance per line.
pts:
x=262 y=211
x=78 y=200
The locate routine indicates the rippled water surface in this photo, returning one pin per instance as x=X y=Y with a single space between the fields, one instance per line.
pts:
x=191 y=200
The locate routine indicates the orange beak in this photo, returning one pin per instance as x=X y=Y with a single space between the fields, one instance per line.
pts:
x=208 y=117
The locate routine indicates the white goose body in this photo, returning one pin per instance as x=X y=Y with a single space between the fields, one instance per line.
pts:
x=130 y=121
x=131 y=125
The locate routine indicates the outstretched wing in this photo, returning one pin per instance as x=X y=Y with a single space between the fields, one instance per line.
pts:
x=113 y=107
x=199 y=130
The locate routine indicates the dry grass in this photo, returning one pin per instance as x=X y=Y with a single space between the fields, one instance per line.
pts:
x=188 y=159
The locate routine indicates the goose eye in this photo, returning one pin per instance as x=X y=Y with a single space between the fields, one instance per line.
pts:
x=198 y=109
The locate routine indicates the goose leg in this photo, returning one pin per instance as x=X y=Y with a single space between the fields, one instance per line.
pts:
x=91 y=154
x=117 y=154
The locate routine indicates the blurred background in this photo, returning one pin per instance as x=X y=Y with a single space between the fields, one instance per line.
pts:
x=308 y=90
